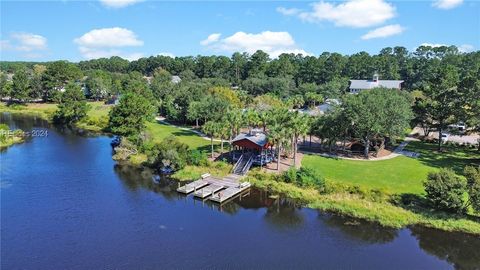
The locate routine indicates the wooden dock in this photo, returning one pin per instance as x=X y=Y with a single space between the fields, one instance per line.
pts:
x=208 y=190
x=219 y=190
x=194 y=186
x=229 y=193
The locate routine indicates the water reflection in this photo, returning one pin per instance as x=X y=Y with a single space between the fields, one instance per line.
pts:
x=360 y=230
x=461 y=250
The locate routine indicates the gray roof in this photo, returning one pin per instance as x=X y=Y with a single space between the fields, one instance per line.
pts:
x=258 y=138
x=368 y=84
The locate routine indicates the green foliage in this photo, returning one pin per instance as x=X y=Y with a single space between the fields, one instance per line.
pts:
x=371 y=114
x=72 y=107
x=129 y=116
x=169 y=153
x=98 y=84
x=21 y=86
x=473 y=186
x=445 y=191
x=197 y=158
x=304 y=177
x=57 y=75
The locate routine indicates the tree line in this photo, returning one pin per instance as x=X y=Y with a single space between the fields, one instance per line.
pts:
x=442 y=85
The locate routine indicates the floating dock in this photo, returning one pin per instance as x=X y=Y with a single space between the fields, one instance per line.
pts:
x=208 y=190
x=230 y=192
x=194 y=186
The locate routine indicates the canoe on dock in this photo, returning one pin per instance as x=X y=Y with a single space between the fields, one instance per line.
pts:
x=207 y=191
x=229 y=193
x=194 y=186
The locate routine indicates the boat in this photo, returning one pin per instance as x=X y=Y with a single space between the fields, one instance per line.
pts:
x=167 y=170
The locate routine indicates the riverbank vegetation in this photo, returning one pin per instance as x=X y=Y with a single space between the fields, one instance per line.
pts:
x=389 y=210
x=224 y=96
x=10 y=137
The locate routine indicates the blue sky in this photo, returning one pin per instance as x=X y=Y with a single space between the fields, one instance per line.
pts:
x=79 y=30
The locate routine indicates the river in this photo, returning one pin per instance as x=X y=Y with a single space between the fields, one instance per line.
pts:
x=65 y=204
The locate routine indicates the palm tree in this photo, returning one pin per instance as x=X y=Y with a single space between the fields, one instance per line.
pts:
x=211 y=128
x=299 y=125
x=251 y=119
x=276 y=136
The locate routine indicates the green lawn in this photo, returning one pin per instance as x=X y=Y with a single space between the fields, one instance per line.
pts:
x=397 y=175
x=159 y=131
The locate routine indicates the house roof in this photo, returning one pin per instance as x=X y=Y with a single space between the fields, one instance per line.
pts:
x=257 y=138
x=369 y=84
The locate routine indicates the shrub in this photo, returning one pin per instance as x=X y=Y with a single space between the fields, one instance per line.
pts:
x=169 y=153
x=308 y=177
x=304 y=177
x=473 y=183
x=445 y=191
x=197 y=158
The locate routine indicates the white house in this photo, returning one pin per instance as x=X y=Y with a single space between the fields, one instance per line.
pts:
x=358 y=85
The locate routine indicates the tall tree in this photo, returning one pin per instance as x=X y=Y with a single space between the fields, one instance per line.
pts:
x=443 y=98
x=378 y=113
x=73 y=106
x=129 y=116
x=21 y=86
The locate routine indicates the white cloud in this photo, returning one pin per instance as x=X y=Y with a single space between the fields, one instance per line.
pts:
x=385 y=31
x=119 y=3
x=167 y=54
x=106 y=42
x=288 y=11
x=352 y=13
x=109 y=37
x=210 y=39
x=273 y=43
x=447 y=4
x=466 y=48
x=30 y=44
x=25 y=42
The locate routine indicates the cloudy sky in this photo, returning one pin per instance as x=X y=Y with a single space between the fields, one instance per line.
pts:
x=78 y=30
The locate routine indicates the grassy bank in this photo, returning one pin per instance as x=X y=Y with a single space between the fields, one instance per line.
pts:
x=367 y=205
x=8 y=140
x=398 y=175
x=216 y=169
x=96 y=120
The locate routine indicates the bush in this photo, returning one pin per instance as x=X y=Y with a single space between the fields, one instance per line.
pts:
x=473 y=182
x=169 y=153
x=197 y=158
x=304 y=177
x=445 y=191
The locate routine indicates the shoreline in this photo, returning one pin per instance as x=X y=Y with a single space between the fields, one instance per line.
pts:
x=341 y=201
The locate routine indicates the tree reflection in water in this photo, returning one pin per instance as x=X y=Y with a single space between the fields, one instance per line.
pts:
x=135 y=178
x=359 y=230
x=461 y=250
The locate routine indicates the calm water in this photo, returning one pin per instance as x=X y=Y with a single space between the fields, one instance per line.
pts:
x=66 y=205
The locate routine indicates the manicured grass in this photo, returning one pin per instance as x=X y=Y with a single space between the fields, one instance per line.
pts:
x=454 y=157
x=397 y=175
x=158 y=131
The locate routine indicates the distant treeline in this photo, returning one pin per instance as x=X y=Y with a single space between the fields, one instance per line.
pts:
x=391 y=63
